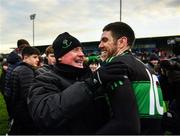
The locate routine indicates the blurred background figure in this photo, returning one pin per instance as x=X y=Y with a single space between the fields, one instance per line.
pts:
x=153 y=63
x=171 y=69
x=21 y=43
x=50 y=59
x=94 y=63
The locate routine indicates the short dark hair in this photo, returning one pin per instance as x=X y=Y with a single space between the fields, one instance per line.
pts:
x=22 y=42
x=30 y=51
x=120 y=29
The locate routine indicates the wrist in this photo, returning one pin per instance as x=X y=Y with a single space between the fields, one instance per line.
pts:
x=92 y=83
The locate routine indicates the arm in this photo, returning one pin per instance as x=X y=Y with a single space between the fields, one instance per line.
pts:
x=21 y=80
x=52 y=102
x=125 y=119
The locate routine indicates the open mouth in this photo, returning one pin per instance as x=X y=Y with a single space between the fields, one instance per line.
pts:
x=79 y=62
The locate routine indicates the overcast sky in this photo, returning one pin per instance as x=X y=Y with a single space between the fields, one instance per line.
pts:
x=84 y=19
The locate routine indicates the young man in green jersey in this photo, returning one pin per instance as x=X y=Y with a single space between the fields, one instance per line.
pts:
x=116 y=41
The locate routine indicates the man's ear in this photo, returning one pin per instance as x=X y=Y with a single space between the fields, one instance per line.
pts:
x=122 y=42
x=24 y=57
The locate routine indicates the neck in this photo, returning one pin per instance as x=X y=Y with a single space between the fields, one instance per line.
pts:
x=121 y=51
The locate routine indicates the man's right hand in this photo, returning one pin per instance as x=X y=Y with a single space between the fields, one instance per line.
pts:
x=112 y=71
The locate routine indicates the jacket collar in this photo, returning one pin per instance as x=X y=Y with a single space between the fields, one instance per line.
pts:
x=70 y=71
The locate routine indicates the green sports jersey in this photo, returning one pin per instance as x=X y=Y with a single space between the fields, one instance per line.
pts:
x=145 y=84
x=149 y=97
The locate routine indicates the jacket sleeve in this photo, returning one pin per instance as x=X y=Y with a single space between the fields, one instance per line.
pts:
x=20 y=82
x=52 y=103
x=125 y=119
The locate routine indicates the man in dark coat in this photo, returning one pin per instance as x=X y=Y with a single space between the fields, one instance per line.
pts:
x=20 y=81
x=13 y=60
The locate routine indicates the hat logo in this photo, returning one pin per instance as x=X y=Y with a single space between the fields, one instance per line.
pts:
x=66 y=44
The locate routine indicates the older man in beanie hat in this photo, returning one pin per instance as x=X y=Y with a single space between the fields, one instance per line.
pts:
x=65 y=100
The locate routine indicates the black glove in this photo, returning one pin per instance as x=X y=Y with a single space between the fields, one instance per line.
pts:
x=112 y=71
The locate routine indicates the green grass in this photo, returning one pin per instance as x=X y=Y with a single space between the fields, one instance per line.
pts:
x=3 y=116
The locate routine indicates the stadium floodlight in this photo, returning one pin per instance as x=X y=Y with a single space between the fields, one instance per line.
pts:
x=32 y=17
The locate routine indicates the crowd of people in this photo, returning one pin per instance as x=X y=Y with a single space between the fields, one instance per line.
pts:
x=70 y=93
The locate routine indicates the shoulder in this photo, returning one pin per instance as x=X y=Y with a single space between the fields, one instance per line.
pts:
x=43 y=69
x=22 y=68
x=47 y=76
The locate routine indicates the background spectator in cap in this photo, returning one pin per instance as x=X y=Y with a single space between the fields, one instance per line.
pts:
x=153 y=62
x=94 y=63
x=64 y=100
x=20 y=82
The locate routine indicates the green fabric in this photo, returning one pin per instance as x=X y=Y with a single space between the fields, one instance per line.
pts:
x=148 y=95
x=141 y=89
x=93 y=58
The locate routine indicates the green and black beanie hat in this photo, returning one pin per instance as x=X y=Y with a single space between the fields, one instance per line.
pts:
x=64 y=43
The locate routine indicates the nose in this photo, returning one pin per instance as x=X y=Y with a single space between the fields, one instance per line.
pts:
x=37 y=59
x=101 y=45
x=80 y=53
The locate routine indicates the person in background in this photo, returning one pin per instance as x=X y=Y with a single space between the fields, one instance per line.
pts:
x=49 y=61
x=13 y=60
x=20 y=81
x=21 y=43
x=153 y=62
x=116 y=41
x=94 y=64
x=66 y=100
x=171 y=82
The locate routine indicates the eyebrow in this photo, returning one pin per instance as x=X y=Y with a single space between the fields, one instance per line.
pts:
x=104 y=39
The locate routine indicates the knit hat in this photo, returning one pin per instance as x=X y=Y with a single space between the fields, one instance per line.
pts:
x=93 y=59
x=64 y=43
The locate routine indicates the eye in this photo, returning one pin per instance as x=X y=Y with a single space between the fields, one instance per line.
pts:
x=104 y=39
x=78 y=49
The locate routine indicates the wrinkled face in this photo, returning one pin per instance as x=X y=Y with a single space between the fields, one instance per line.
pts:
x=107 y=44
x=75 y=58
x=32 y=60
x=51 y=59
